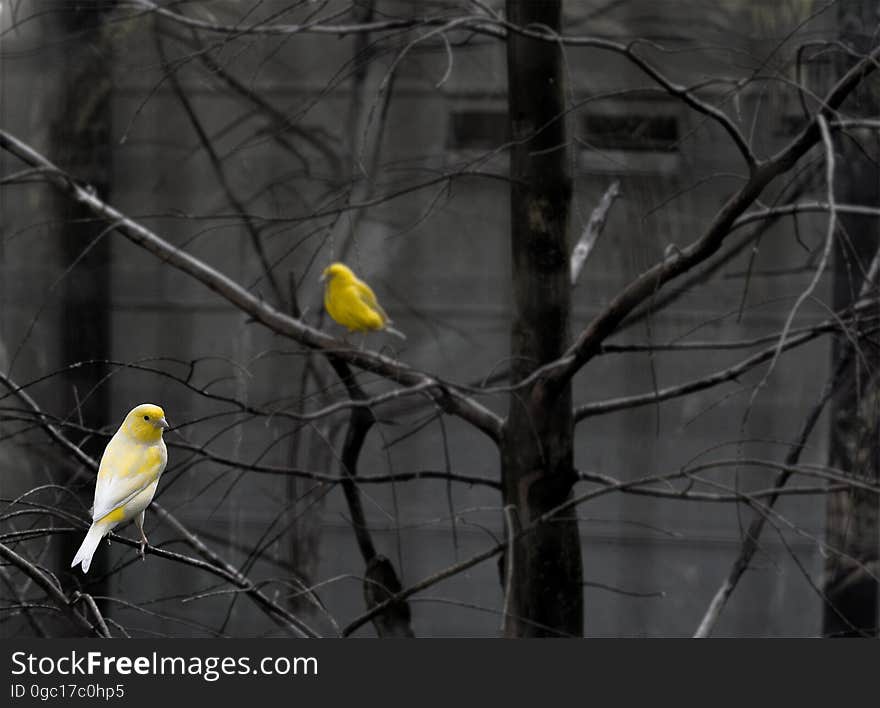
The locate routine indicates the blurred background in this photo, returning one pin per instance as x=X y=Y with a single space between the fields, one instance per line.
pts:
x=268 y=149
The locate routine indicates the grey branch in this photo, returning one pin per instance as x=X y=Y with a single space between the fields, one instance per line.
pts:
x=50 y=588
x=590 y=236
x=589 y=342
x=449 y=398
x=716 y=378
x=512 y=528
x=750 y=542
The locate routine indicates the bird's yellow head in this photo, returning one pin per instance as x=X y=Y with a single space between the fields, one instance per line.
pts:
x=145 y=423
x=337 y=270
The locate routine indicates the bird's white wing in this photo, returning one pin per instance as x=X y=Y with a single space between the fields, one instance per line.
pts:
x=127 y=468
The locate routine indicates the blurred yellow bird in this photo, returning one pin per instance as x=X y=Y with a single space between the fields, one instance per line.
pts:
x=352 y=303
x=128 y=475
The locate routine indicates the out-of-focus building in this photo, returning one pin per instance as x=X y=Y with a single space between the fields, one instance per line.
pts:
x=436 y=252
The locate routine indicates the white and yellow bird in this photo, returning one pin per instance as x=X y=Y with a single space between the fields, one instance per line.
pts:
x=129 y=472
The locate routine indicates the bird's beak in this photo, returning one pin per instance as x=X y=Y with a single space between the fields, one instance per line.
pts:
x=323 y=277
x=162 y=423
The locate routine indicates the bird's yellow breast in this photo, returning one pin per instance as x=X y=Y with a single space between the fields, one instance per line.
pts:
x=349 y=305
x=126 y=458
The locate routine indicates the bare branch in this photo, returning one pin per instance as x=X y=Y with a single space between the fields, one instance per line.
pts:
x=50 y=588
x=750 y=542
x=319 y=26
x=380 y=578
x=509 y=555
x=804 y=208
x=590 y=236
x=272 y=608
x=821 y=266
x=729 y=374
x=93 y=608
x=221 y=176
x=588 y=343
x=492 y=26
x=446 y=396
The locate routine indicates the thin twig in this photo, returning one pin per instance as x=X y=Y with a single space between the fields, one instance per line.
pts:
x=49 y=587
x=92 y=605
x=731 y=373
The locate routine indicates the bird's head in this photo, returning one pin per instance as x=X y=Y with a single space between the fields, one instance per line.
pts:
x=145 y=423
x=337 y=270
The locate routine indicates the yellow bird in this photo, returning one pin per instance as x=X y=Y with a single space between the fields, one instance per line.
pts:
x=352 y=303
x=128 y=475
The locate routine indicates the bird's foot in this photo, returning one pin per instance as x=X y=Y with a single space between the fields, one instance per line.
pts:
x=142 y=548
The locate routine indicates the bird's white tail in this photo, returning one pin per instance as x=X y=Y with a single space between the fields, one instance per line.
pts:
x=395 y=332
x=89 y=546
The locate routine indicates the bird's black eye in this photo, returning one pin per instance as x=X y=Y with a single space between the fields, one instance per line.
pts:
x=146 y=417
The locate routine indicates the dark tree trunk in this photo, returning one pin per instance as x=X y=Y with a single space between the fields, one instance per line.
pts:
x=546 y=593
x=852 y=516
x=81 y=144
